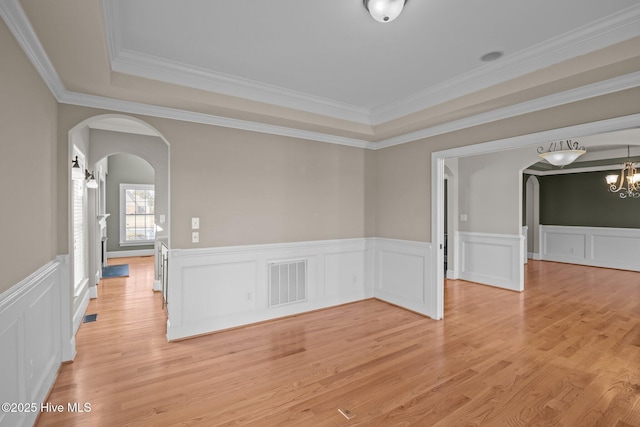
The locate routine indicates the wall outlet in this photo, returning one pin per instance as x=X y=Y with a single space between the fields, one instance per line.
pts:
x=162 y=219
x=195 y=237
x=195 y=223
x=463 y=217
x=249 y=296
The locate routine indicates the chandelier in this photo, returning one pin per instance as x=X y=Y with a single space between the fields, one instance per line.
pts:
x=628 y=175
x=562 y=153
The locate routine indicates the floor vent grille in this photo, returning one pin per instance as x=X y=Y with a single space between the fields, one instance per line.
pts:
x=287 y=282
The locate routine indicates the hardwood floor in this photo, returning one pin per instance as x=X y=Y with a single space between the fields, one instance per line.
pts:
x=566 y=352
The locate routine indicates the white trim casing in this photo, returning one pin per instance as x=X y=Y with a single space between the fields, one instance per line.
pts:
x=594 y=246
x=491 y=259
x=34 y=339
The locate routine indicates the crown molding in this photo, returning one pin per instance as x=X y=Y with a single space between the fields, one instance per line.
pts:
x=16 y=20
x=80 y=99
x=596 y=35
x=589 y=38
x=572 y=170
x=150 y=67
x=574 y=132
x=628 y=81
x=19 y=25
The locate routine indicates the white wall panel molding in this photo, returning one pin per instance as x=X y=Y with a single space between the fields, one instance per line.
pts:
x=403 y=274
x=213 y=289
x=33 y=337
x=594 y=246
x=491 y=259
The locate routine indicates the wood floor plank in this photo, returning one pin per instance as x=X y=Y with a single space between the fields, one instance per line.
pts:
x=565 y=352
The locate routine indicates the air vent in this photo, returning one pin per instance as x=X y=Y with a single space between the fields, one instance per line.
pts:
x=287 y=282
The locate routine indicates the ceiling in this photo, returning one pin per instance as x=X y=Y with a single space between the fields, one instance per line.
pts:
x=326 y=70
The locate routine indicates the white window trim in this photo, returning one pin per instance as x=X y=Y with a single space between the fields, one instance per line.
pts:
x=122 y=208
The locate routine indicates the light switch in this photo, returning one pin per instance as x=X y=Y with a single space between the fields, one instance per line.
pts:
x=195 y=237
x=162 y=219
x=195 y=223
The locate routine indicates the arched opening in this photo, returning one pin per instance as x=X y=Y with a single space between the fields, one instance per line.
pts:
x=95 y=213
x=532 y=217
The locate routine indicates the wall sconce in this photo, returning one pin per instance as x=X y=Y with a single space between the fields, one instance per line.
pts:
x=76 y=170
x=77 y=174
x=91 y=180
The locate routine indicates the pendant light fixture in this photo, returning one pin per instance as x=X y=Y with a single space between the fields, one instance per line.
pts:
x=629 y=176
x=384 y=10
x=562 y=153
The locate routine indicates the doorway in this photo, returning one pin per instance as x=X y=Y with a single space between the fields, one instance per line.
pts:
x=97 y=139
x=530 y=141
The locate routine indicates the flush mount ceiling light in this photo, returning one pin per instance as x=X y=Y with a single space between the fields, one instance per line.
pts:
x=629 y=176
x=562 y=153
x=384 y=10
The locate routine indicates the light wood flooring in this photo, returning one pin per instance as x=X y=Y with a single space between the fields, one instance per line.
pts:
x=566 y=352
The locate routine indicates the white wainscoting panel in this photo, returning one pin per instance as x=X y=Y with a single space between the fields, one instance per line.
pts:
x=403 y=275
x=491 y=259
x=594 y=246
x=33 y=339
x=219 y=288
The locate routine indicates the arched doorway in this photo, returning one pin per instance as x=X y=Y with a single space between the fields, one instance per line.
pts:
x=94 y=140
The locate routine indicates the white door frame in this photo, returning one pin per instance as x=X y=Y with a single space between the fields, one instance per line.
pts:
x=437 y=182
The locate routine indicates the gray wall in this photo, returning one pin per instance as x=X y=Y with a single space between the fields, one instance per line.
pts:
x=582 y=199
x=403 y=172
x=28 y=166
x=127 y=169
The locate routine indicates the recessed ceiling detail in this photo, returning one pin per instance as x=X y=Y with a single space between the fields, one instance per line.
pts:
x=324 y=58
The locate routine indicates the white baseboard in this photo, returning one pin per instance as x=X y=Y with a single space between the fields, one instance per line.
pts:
x=81 y=303
x=32 y=325
x=131 y=253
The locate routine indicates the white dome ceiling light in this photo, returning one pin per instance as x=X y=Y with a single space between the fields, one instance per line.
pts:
x=384 y=10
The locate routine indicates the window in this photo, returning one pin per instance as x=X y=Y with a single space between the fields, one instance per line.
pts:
x=137 y=214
